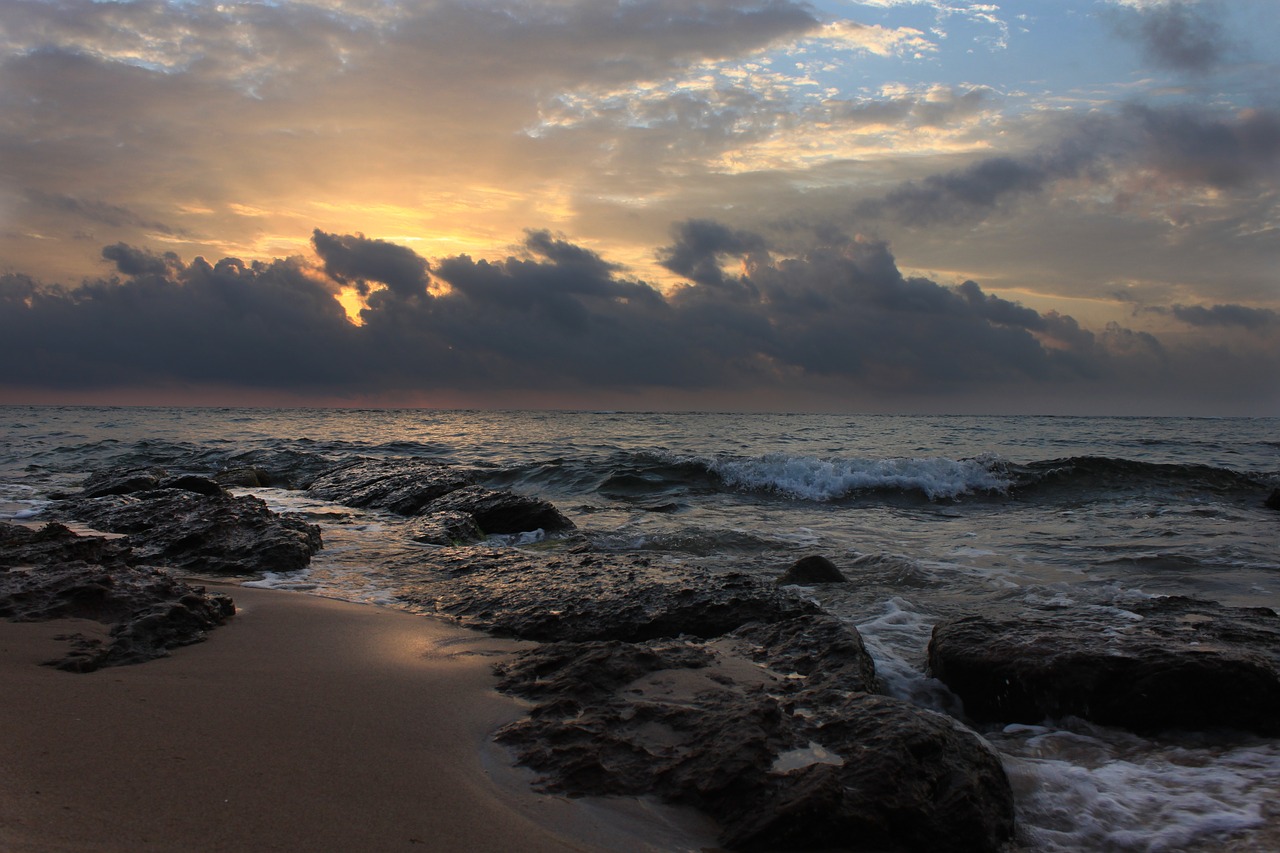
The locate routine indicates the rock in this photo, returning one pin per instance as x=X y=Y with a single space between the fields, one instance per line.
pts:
x=192 y=483
x=55 y=543
x=768 y=731
x=446 y=528
x=813 y=569
x=1273 y=500
x=150 y=611
x=122 y=481
x=827 y=652
x=1166 y=663
x=284 y=469
x=247 y=477
x=596 y=597
x=402 y=486
x=502 y=511
x=199 y=533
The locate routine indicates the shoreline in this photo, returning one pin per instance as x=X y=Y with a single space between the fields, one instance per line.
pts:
x=305 y=723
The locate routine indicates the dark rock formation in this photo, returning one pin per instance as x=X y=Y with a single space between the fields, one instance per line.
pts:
x=1166 y=663
x=53 y=573
x=244 y=477
x=122 y=481
x=402 y=486
x=54 y=543
x=769 y=731
x=502 y=511
x=424 y=487
x=812 y=569
x=193 y=483
x=446 y=528
x=1273 y=499
x=596 y=597
x=200 y=533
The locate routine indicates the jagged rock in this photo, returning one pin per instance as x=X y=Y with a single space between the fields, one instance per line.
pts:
x=1166 y=663
x=61 y=575
x=55 y=543
x=246 y=477
x=502 y=511
x=199 y=533
x=122 y=481
x=193 y=483
x=595 y=597
x=402 y=486
x=812 y=569
x=827 y=652
x=446 y=528
x=767 y=732
x=285 y=469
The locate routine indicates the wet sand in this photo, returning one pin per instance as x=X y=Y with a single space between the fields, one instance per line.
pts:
x=303 y=725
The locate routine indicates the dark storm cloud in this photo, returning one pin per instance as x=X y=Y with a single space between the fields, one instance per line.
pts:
x=1193 y=147
x=560 y=317
x=1226 y=315
x=700 y=246
x=133 y=261
x=1178 y=35
x=259 y=325
x=356 y=259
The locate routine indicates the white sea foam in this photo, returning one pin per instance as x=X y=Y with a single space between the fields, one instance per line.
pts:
x=1077 y=791
x=897 y=640
x=824 y=479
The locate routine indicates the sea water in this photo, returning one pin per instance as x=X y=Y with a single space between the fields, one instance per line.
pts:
x=929 y=517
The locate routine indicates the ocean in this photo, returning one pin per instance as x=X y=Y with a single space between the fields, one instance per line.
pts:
x=930 y=517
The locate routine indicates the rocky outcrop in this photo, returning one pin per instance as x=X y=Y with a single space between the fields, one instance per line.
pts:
x=52 y=573
x=414 y=487
x=192 y=525
x=502 y=511
x=769 y=730
x=598 y=597
x=401 y=486
x=446 y=528
x=1165 y=663
x=725 y=693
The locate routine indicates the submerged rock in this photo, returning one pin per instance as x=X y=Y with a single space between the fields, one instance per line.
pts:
x=812 y=569
x=769 y=731
x=200 y=533
x=53 y=574
x=1165 y=663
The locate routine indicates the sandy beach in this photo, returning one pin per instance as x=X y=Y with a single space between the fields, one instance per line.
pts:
x=304 y=724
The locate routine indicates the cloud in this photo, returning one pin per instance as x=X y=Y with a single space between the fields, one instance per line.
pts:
x=95 y=211
x=1227 y=315
x=135 y=262
x=1174 y=146
x=839 y=317
x=355 y=259
x=1180 y=35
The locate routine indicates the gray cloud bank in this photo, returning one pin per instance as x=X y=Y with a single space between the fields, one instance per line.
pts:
x=839 y=321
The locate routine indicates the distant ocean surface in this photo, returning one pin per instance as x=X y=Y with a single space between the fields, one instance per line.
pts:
x=930 y=518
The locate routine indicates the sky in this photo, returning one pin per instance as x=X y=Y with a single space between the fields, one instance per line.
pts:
x=943 y=206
